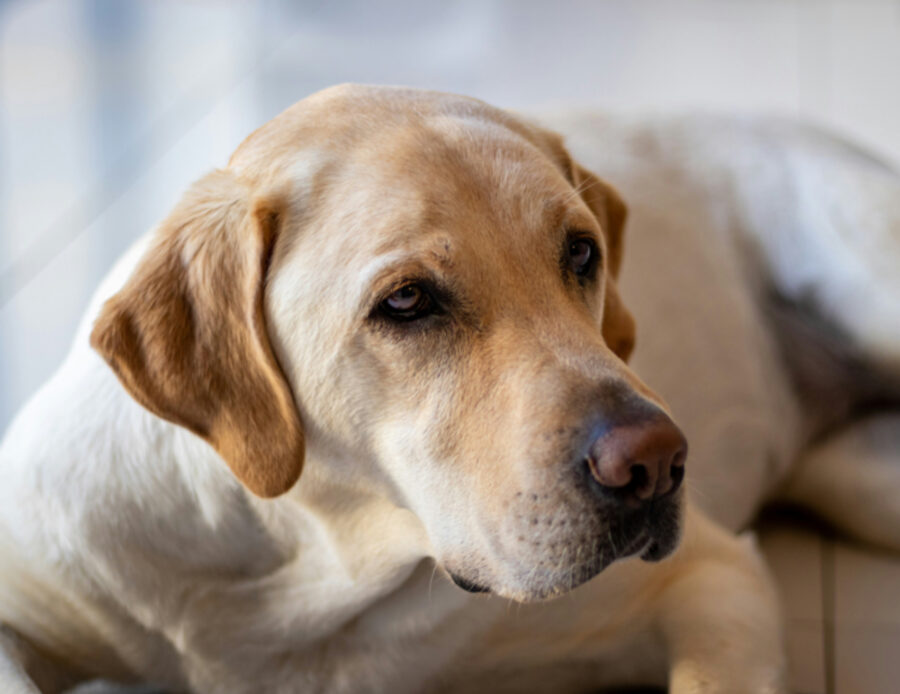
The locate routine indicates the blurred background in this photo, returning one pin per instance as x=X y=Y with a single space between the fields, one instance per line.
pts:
x=110 y=108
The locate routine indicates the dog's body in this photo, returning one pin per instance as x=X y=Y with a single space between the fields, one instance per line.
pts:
x=131 y=552
x=768 y=251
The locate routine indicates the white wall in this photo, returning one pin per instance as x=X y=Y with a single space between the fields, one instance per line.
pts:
x=108 y=109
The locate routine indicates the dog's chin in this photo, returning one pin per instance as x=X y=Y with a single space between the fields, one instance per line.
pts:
x=651 y=540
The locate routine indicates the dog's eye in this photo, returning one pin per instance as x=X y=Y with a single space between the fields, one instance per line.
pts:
x=410 y=302
x=582 y=256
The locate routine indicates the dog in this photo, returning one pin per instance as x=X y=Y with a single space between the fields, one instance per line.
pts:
x=357 y=415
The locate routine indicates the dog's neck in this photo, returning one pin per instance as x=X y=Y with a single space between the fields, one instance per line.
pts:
x=298 y=570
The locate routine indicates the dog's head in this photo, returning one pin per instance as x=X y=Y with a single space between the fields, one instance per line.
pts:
x=425 y=286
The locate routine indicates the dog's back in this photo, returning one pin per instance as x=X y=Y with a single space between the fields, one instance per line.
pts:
x=761 y=268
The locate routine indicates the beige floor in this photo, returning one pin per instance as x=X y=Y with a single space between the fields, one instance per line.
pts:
x=841 y=602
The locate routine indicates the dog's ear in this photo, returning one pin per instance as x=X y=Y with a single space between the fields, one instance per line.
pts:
x=187 y=336
x=611 y=211
x=618 y=326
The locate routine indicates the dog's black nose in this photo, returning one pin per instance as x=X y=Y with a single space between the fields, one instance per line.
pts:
x=639 y=461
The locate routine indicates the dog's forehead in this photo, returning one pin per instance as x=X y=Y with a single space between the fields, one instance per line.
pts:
x=458 y=194
x=349 y=120
x=382 y=175
x=453 y=171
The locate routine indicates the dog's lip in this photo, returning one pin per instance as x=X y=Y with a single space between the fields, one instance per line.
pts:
x=659 y=548
x=648 y=542
x=662 y=542
x=652 y=551
x=467 y=585
x=638 y=544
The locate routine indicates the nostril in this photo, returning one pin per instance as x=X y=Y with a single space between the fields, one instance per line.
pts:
x=639 y=476
x=638 y=462
x=677 y=475
x=640 y=484
x=676 y=471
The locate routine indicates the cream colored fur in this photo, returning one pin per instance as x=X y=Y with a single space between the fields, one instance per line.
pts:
x=129 y=551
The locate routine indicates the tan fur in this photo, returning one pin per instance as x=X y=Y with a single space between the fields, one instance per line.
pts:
x=187 y=335
x=188 y=339
x=526 y=362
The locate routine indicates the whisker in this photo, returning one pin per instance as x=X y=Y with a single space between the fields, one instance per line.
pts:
x=431 y=581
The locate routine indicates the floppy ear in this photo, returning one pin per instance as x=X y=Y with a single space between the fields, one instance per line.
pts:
x=187 y=337
x=618 y=326
x=611 y=211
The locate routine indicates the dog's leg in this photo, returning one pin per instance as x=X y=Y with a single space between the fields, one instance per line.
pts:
x=720 y=617
x=706 y=621
x=852 y=479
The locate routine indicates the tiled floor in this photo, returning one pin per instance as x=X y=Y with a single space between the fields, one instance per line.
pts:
x=842 y=603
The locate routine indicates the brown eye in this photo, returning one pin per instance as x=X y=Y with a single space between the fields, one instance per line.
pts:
x=582 y=256
x=408 y=303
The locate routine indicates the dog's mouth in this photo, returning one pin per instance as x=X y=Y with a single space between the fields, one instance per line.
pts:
x=660 y=535
x=650 y=535
x=659 y=548
x=467 y=585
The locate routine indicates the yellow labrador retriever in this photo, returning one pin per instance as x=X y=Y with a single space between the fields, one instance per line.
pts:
x=358 y=409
